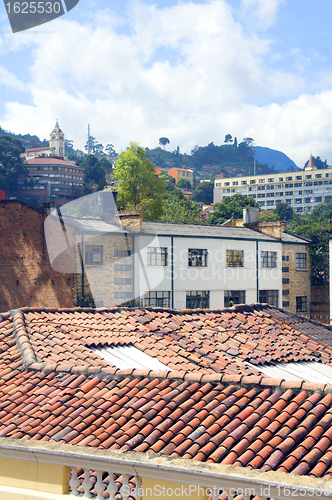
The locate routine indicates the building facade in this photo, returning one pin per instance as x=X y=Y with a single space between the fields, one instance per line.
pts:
x=182 y=173
x=302 y=190
x=54 y=179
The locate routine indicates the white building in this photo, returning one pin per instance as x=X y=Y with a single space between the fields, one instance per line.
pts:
x=56 y=146
x=199 y=266
x=302 y=190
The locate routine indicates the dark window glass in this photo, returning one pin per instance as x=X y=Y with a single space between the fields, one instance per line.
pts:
x=122 y=253
x=122 y=267
x=197 y=257
x=285 y=281
x=157 y=299
x=268 y=259
x=301 y=304
x=198 y=300
x=269 y=296
x=285 y=269
x=301 y=261
x=234 y=297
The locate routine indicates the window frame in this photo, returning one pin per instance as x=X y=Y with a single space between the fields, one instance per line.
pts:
x=302 y=303
x=270 y=297
x=269 y=260
x=300 y=259
x=157 y=257
x=236 y=296
x=202 y=301
x=197 y=257
x=162 y=298
x=234 y=258
x=89 y=251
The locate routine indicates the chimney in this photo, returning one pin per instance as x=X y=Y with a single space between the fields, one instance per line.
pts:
x=108 y=209
x=250 y=215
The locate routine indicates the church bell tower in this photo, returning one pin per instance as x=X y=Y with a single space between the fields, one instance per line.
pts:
x=57 y=141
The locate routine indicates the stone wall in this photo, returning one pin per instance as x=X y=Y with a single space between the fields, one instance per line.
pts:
x=26 y=276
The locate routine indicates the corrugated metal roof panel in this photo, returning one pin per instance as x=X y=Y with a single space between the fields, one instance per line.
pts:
x=310 y=371
x=129 y=357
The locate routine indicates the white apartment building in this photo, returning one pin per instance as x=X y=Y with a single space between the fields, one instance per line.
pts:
x=196 y=266
x=302 y=190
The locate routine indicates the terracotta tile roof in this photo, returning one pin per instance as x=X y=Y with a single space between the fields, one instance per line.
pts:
x=54 y=388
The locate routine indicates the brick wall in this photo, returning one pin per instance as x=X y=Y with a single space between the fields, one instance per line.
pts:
x=26 y=276
x=320 y=303
x=299 y=279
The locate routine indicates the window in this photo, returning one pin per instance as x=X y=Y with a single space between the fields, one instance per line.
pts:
x=243 y=183
x=235 y=183
x=157 y=256
x=308 y=176
x=301 y=304
x=197 y=300
x=261 y=181
x=234 y=258
x=307 y=200
x=318 y=176
x=318 y=199
x=289 y=178
x=197 y=257
x=289 y=185
x=285 y=281
x=285 y=258
x=122 y=267
x=299 y=177
x=285 y=292
x=270 y=179
x=301 y=261
x=285 y=303
x=218 y=184
x=122 y=253
x=122 y=295
x=226 y=183
x=157 y=299
x=269 y=296
x=281 y=179
x=93 y=255
x=268 y=259
x=285 y=269
x=298 y=200
x=122 y=281
x=234 y=297
x=252 y=181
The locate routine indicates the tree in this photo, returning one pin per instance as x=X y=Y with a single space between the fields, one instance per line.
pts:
x=110 y=151
x=169 y=181
x=228 y=138
x=235 y=142
x=203 y=193
x=268 y=217
x=316 y=226
x=13 y=168
x=231 y=207
x=179 y=209
x=99 y=150
x=90 y=144
x=284 y=211
x=163 y=141
x=94 y=174
x=138 y=184
x=184 y=184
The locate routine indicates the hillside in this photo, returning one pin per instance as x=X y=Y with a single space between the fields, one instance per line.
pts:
x=274 y=159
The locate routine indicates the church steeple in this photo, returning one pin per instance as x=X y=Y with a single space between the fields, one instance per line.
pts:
x=311 y=164
x=57 y=141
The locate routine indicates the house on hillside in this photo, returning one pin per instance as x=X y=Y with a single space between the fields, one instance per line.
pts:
x=144 y=403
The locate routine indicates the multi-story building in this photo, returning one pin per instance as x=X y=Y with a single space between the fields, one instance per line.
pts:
x=303 y=190
x=53 y=177
x=182 y=173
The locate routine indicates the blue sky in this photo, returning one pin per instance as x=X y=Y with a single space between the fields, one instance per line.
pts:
x=190 y=71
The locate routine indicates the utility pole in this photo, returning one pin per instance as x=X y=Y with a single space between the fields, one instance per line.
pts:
x=88 y=139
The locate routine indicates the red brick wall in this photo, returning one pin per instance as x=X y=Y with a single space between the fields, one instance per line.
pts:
x=26 y=276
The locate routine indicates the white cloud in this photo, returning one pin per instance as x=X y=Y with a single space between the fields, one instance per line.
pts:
x=187 y=72
x=261 y=13
x=9 y=79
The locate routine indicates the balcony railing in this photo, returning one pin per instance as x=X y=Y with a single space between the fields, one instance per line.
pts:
x=118 y=475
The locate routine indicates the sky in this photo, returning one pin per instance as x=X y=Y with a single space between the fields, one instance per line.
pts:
x=192 y=71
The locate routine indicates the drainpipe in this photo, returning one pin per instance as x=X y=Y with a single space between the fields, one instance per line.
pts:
x=257 y=275
x=172 y=271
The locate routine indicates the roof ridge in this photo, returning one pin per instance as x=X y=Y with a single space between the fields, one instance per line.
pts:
x=247 y=381
x=23 y=343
